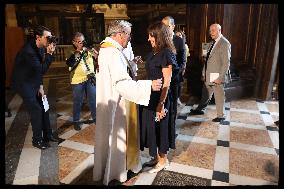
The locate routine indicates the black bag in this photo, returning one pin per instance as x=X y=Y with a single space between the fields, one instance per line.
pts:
x=71 y=62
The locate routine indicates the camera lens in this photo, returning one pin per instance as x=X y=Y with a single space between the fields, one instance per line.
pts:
x=52 y=39
x=84 y=43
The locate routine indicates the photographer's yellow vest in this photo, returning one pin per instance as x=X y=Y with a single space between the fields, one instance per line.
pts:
x=79 y=75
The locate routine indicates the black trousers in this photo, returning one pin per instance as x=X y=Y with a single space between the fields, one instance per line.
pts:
x=180 y=80
x=174 y=92
x=39 y=118
x=179 y=89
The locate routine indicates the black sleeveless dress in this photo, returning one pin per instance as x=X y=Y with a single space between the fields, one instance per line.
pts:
x=161 y=134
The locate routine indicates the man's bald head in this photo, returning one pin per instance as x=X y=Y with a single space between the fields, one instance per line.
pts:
x=215 y=31
x=169 y=21
x=216 y=26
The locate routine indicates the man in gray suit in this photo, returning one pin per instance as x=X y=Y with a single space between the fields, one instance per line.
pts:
x=214 y=73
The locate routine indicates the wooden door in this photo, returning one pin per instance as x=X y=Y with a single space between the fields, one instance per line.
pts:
x=14 y=41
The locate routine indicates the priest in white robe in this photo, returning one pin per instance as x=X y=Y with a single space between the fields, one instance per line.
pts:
x=115 y=90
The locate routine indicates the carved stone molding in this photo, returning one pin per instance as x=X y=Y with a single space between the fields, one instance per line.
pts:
x=113 y=11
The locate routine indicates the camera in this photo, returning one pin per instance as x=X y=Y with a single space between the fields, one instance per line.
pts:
x=92 y=78
x=52 y=39
x=85 y=43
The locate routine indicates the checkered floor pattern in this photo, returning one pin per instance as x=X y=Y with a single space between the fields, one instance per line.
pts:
x=242 y=150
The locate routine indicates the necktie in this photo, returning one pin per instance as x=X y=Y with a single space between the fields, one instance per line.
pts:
x=207 y=56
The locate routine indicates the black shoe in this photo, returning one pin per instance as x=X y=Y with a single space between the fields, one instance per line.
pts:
x=151 y=163
x=218 y=119
x=131 y=174
x=90 y=121
x=114 y=182
x=53 y=138
x=41 y=145
x=77 y=126
x=196 y=112
x=9 y=113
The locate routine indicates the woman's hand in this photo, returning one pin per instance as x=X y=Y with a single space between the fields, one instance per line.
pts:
x=160 y=112
x=138 y=60
x=40 y=91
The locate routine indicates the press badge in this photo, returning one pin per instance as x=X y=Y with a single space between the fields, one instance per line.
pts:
x=45 y=103
x=84 y=68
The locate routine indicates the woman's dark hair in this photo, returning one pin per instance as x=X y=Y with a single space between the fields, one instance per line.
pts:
x=38 y=30
x=162 y=35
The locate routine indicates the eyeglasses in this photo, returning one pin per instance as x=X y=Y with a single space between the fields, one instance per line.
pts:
x=47 y=36
x=80 y=42
x=129 y=34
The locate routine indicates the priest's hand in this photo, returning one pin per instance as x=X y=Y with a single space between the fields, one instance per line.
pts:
x=157 y=84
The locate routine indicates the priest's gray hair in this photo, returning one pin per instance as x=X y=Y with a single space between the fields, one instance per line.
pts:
x=117 y=26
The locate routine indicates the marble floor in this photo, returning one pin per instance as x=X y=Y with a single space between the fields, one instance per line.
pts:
x=242 y=150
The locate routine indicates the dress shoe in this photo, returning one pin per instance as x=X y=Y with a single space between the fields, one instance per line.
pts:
x=159 y=167
x=151 y=163
x=114 y=182
x=52 y=138
x=90 y=121
x=218 y=119
x=196 y=112
x=131 y=174
x=77 y=126
x=41 y=144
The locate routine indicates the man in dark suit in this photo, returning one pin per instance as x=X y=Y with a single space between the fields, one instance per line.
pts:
x=178 y=70
x=31 y=62
x=214 y=73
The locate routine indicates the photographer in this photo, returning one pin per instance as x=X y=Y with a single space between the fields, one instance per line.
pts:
x=82 y=76
x=31 y=62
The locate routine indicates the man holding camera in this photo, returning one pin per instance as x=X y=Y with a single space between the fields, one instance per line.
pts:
x=31 y=62
x=82 y=76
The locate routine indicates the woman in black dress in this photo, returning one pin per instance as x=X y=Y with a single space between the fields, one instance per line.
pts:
x=157 y=131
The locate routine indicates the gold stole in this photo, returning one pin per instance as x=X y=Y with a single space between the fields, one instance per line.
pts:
x=132 y=126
